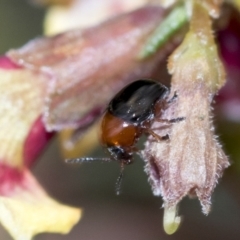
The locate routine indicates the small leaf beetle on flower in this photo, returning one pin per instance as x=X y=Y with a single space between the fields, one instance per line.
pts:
x=129 y=115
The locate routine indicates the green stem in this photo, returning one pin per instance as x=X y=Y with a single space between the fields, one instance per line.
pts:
x=173 y=22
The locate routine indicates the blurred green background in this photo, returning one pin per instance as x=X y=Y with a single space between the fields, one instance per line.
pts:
x=136 y=214
x=19 y=22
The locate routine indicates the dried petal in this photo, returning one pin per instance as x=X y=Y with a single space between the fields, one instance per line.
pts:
x=79 y=64
x=192 y=161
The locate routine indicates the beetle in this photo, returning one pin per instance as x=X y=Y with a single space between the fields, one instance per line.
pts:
x=129 y=115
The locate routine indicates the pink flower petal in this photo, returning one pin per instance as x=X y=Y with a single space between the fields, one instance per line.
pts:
x=7 y=63
x=35 y=142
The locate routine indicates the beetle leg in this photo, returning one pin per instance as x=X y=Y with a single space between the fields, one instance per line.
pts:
x=156 y=136
x=173 y=120
x=119 y=179
x=162 y=120
x=87 y=159
x=179 y=119
x=174 y=97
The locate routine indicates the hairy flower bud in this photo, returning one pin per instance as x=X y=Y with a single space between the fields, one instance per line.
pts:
x=192 y=160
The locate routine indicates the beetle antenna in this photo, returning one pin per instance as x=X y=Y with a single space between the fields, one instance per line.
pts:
x=86 y=159
x=119 y=180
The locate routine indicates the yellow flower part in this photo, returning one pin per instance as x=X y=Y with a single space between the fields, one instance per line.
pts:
x=236 y=3
x=85 y=13
x=30 y=211
x=74 y=145
x=25 y=208
x=21 y=103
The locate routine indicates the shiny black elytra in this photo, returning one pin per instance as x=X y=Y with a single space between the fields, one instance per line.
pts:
x=130 y=114
x=135 y=103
